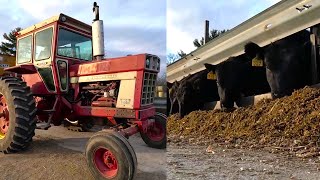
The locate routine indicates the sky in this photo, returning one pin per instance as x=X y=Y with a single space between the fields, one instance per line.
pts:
x=186 y=18
x=138 y=26
x=130 y=27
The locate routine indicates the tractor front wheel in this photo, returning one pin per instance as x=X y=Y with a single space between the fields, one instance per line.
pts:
x=17 y=115
x=156 y=136
x=110 y=156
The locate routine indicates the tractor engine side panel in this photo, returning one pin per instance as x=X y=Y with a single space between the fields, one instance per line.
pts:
x=126 y=94
x=107 y=90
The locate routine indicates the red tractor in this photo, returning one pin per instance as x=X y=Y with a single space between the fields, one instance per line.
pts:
x=62 y=76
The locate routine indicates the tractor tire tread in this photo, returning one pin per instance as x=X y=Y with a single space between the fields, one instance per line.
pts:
x=162 y=144
x=31 y=102
x=17 y=90
x=21 y=99
x=21 y=103
x=126 y=172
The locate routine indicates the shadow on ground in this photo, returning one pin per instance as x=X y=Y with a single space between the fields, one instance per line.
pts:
x=50 y=157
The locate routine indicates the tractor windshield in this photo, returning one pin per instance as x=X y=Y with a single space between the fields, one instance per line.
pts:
x=74 y=45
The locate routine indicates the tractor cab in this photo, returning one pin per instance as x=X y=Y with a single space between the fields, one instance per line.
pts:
x=46 y=50
x=66 y=79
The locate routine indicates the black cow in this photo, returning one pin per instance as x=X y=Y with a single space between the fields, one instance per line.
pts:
x=194 y=91
x=287 y=62
x=236 y=77
x=172 y=97
x=181 y=92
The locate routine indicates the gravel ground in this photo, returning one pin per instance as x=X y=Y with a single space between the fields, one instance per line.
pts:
x=274 y=139
x=59 y=154
x=194 y=162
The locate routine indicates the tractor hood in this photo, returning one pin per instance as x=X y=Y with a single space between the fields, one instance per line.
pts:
x=112 y=65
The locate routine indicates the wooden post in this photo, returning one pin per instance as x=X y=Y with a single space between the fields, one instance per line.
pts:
x=314 y=37
x=206 y=32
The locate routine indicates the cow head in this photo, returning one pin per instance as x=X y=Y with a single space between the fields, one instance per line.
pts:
x=270 y=58
x=184 y=97
x=285 y=67
x=173 y=89
x=253 y=50
x=226 y=83
x=286 y=62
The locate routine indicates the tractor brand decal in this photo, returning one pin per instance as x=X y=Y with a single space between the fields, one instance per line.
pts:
x=101 y=77
x=125 y=101
x=42 y=63
x=104 y=77
x=4 y=65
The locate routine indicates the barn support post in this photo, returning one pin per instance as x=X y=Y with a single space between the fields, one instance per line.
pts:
x=315 y=61
x=206 y=31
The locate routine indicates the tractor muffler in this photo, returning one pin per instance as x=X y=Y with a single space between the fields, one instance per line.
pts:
x=97 y=34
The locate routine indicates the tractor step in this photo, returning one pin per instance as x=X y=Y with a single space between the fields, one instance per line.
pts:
x=47 y=111
x=43 y=126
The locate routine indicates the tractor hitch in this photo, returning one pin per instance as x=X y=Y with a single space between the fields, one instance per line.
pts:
x=134 y=127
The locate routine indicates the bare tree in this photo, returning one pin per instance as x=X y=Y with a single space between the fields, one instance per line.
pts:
x=171 y=58
x=182 y=54
x=161 y=80
x=213 y=34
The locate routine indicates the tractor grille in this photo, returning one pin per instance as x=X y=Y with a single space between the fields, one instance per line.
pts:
x=148 y=91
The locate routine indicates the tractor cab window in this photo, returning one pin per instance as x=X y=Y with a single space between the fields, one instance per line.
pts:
x=42 y=51
x=43 y=44
x=24 y=50
x=74 y=45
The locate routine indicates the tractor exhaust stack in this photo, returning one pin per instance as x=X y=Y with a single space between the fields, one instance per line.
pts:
x=97 y=34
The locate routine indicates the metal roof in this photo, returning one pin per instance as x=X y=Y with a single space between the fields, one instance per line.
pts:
x=54 y=19
x=274 y=23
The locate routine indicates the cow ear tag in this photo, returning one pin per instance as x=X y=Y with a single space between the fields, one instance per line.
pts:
x=257 y=62
x=211 y=76
x=170 y=90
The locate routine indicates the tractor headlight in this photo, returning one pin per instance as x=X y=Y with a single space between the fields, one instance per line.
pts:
x=148 y=63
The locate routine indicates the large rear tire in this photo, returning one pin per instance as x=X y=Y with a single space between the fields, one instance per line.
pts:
x=156 y=136
x=17 y=115
x=110 y=157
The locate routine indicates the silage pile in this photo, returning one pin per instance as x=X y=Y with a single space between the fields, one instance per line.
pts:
x=292 y=121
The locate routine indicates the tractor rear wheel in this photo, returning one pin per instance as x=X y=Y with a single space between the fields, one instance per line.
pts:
x=156 y=136
x=109 y=156
x=17 y=115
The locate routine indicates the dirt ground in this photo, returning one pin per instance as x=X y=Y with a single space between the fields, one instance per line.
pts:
x=193 y=162
x=59 y=154
x=291 y=123
x=275 y=139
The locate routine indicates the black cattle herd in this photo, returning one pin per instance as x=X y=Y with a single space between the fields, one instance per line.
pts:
x=280 y=67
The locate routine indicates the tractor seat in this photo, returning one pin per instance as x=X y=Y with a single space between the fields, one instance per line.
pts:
x=44 y=54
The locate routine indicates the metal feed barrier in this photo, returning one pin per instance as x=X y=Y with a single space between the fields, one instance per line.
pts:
x=283 y=19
